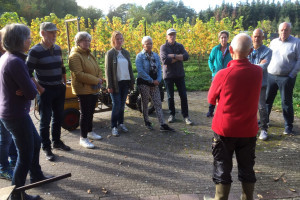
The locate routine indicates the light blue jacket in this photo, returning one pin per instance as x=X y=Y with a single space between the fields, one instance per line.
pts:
x=216 y=61
x=256 y=56
x=143 y=66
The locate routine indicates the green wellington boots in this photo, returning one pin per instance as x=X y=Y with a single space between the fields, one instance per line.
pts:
x=222 y=191
x=248 y=189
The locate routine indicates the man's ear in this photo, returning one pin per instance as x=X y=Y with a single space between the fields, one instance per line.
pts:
x=231 y=50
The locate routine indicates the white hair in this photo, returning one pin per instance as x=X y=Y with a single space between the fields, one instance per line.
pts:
x=146 y=38
x=241 y=43
x=288 y=23
x=82 y=36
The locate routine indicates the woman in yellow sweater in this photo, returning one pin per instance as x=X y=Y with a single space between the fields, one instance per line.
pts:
x=86 y=83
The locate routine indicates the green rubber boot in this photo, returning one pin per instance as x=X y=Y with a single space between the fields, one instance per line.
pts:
x=248 y=189
x=222 y=191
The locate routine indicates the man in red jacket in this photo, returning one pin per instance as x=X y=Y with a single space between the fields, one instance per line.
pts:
x=236 y=89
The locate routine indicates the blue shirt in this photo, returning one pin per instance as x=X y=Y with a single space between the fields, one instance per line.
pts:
x=257 y=55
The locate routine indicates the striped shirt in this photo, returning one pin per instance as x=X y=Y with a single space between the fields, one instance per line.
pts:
x=47 y=64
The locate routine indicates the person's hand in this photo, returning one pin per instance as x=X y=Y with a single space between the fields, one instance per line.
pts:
x=110 y=90
x=155 y=82
x=40 y=90
x=19 y=93
x=263 y=61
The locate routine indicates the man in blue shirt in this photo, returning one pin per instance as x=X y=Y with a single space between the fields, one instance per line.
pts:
x=282 y=73
x=261 y=56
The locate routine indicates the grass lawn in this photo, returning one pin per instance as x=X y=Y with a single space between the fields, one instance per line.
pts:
x=198 y=77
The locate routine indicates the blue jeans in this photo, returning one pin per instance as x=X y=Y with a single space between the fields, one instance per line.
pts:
x=262 y=108
x=285 y=85
x=180 y=84
x=51 y=105
x=7 y=148
x=118 y=103
x=28 y=144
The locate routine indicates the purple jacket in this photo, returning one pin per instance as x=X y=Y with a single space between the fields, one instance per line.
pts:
x=14 y=76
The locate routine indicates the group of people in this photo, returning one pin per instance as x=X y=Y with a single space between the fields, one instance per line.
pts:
x=248 y=81
x=41 y=74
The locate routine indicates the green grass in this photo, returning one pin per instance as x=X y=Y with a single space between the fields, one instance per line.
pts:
x=198 y=78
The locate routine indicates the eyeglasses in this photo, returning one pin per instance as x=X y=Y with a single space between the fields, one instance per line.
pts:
x=85 y=41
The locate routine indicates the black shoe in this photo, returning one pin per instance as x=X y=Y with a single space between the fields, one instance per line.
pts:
x=148 y=125
x=49 y=155
x=33 y=180
x=60 y=145
x=209 y=114
x=165 y=127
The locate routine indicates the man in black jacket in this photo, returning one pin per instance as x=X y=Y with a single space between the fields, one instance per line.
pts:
x=172 y=55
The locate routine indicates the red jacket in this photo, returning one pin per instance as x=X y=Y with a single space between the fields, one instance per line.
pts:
x=237 y=90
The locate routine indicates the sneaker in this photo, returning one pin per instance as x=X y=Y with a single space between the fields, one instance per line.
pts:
x=123 y=128
x=287 y=131
x=209 y=114
x=115 y=132
x=171 y=119
x=93 y=136
x=7 y=174
x=86 y=143
x=148 y=125
x=188 y=121
x=61 y=146
x=49 y=155
x=263 y=135
x=165 y=127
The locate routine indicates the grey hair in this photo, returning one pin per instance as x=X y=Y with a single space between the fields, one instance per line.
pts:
x=288 y=23
x=145 y=39
x=241 y=43
x=14 y=36
x=223 y=32
x=82 y=36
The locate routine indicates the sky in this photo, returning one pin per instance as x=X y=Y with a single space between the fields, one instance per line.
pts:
x=197 y=5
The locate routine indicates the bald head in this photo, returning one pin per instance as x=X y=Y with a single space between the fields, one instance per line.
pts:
x=284 y=30
x=257 y=38
x=241 y=45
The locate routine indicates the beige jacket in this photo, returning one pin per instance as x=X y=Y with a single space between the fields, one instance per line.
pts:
x=111 y=69
x=85 y=71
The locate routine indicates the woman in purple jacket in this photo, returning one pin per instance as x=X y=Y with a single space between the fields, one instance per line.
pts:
x=16 y=92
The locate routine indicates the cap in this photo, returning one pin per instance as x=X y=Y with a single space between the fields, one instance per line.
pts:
x=171 y=30
x=48 y=26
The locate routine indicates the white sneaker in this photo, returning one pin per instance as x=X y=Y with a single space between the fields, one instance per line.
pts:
x=86 y=143
x=115 y=132
x=263 y=135
x=188 y=121
x=93 y=136
x=123 y=128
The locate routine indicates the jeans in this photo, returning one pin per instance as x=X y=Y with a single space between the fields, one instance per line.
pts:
x=51 y=105
x=180 y=84
x=118 y=103
x=285 y=85
x=262 y=108
x=28 y=144
x=223 y=149
x=87 y=108
x=7 y=148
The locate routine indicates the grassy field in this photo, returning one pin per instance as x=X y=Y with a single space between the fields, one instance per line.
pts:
x=198 y=77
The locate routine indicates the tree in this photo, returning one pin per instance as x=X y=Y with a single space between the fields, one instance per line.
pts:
x=90 y=13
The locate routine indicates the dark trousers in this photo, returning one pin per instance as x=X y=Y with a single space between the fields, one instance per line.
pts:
x=87 y=108
x=180 y=84
x=262 y=108
x=51 y=106
x=223 y=149
x=285 y=85
x=7 y=148
x=28 y=144
x=118 y=103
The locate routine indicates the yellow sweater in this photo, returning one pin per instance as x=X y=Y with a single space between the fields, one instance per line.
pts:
x=85 y=71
